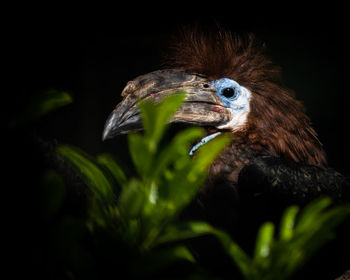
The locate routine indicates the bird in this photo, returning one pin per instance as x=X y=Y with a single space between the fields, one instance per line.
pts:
x=234 y=88
x=274 y=159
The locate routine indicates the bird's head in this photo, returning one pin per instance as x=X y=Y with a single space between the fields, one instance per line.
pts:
x=230 y=86
x=220 y=104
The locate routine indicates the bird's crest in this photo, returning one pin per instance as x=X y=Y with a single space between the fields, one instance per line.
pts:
x=220 y=54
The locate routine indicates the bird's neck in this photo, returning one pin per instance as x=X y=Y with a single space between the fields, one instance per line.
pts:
x=246 y=145
x=232 y=159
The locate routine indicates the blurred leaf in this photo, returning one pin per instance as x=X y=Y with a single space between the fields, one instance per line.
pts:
x=277 y=259
x=316 y=227
x=207 y=153
x=118 y=174
x=155 y=117
x=239 y=257
x=131 y=200
x=41 y=105
x=311 y=212
x=189 y=177
x=90 y=173
x=192 y=229
x=156 y=262
x=288 y=223
x=52 y=193
x=184 y=231
x=263 y=244
x=170 y=178
x=182 y=252
x=140 y=154
x=177 y=149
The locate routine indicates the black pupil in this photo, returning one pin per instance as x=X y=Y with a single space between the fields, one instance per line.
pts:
x=228 y=92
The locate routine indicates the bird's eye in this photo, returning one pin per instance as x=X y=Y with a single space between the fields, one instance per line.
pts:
x=228 y=92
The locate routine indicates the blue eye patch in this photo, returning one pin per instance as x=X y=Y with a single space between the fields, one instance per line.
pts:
x=227 y=89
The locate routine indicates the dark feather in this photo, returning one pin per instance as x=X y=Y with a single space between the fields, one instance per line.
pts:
x=291 y=182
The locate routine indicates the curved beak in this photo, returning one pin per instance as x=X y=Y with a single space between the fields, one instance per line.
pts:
x=202 y=106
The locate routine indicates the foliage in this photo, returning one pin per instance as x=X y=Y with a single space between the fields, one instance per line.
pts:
x=42 y=104
x=299 y=237
x=278 y=257
x=168 y=179
x=133 y=222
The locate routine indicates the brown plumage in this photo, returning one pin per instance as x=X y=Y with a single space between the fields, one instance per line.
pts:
x=274 y=149
x=277 y=123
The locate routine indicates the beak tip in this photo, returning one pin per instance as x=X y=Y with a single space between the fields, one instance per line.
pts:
x=109 y=129
x=105 y=136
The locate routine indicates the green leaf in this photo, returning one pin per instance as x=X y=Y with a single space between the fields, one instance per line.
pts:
x=140 y=154
x=193 y=229
x=182 y=188
x=90 y=173
x=176 y=163
x=207 y=153
x=264 y=242
x=309 y=215
x=156 y=117
x=132 y=199
x=313 y=232
x=189 y=174
x=41 y=105
x=288 y=223
x=184 y=231
x=118 y=174
x=159 y=262
x=176 y=150
x=240 y=258
x=182 y=252
x=279 y=259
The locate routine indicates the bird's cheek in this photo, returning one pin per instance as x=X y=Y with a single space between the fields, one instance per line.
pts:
x=217 y=109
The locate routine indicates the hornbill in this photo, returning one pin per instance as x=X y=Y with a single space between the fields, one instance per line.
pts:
x=274 y=158
x=232 y=87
